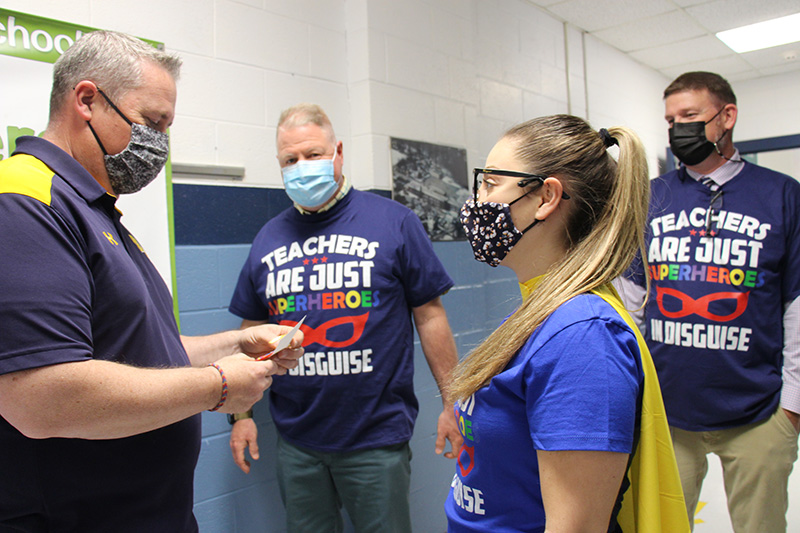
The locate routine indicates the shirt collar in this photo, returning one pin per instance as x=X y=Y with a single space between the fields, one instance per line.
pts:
x=346 y=186
x=729 y=170
x=63 y=164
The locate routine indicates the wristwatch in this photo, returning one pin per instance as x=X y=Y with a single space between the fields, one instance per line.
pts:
x=232 y=418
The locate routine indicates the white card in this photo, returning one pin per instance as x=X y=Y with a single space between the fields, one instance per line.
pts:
x=284 y=341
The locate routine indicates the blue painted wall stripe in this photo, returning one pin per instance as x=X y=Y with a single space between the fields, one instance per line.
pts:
x=217 y=214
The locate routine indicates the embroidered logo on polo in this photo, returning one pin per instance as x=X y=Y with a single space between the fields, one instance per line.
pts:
x=720 y=251
x=325 y=273
x=110 y=238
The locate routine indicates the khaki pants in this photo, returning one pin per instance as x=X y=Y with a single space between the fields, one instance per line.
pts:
x=756 y=462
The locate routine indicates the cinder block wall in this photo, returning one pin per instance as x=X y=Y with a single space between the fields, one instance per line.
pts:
x=452 y=72
x=208 y=259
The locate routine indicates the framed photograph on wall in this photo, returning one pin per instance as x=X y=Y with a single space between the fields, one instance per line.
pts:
x=431 y=180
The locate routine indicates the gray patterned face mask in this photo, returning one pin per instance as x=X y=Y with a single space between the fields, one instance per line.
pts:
x=139 y=163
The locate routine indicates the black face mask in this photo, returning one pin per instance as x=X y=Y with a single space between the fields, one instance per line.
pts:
x=688 y=141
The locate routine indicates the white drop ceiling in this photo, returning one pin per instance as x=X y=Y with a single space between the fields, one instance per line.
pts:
x=676 y=36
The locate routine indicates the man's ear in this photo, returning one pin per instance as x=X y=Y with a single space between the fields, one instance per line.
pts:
x=83 y=97
x=729 y=114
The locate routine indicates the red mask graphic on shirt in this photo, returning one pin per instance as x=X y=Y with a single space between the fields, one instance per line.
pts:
x=319 y=334
x=700 y=306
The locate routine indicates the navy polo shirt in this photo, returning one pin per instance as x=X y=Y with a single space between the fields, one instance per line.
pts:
x=76 y=285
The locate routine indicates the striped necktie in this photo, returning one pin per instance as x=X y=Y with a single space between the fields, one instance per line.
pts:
x=708 y=182
x=714 y=207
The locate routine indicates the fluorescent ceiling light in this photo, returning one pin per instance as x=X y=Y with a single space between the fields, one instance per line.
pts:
x=765 y=34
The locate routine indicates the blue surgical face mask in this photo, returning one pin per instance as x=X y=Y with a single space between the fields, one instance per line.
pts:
x=310 y=183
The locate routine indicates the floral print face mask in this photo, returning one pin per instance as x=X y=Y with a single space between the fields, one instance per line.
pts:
x=490 y=230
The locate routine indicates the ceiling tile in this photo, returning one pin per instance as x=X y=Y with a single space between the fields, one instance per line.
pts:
x=667 y=28
x=774 y=57
x=592 y=15
x=726 y=66
x=743 y=76
x=726 y=14
x=697 y=48
x=678 y=35
x=545 y=3
x=780 y=70
x=687 y=3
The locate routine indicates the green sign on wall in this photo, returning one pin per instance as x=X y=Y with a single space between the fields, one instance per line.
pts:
x=38 y=38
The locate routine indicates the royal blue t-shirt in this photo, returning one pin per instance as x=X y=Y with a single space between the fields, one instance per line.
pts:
x=355 y=271
x=75 y=286
x=715 y=312
x=574 y=385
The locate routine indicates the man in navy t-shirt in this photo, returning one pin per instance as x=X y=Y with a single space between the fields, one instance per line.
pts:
x=99 y=405
x=723 y=314
x=354 y=268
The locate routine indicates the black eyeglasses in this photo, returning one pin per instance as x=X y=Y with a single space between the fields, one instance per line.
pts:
x=714 y=207
x=526 y=179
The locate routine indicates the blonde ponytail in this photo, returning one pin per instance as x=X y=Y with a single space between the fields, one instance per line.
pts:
x=605 y=230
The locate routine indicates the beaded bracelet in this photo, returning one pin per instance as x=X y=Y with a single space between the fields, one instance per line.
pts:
x=224 y=395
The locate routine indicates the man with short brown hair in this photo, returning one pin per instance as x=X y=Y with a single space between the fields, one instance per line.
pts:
x=723 y=314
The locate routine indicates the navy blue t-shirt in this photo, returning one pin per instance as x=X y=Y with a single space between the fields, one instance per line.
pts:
x=76 y=286
x=356 y=271
x=720 y=280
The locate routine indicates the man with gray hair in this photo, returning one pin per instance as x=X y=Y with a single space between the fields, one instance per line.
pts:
x=99 y=394
x=354 y=268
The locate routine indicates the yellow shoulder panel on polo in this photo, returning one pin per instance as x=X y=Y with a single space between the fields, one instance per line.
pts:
x=26 y=175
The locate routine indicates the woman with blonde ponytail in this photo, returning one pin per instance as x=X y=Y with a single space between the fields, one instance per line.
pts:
x=551 y=403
